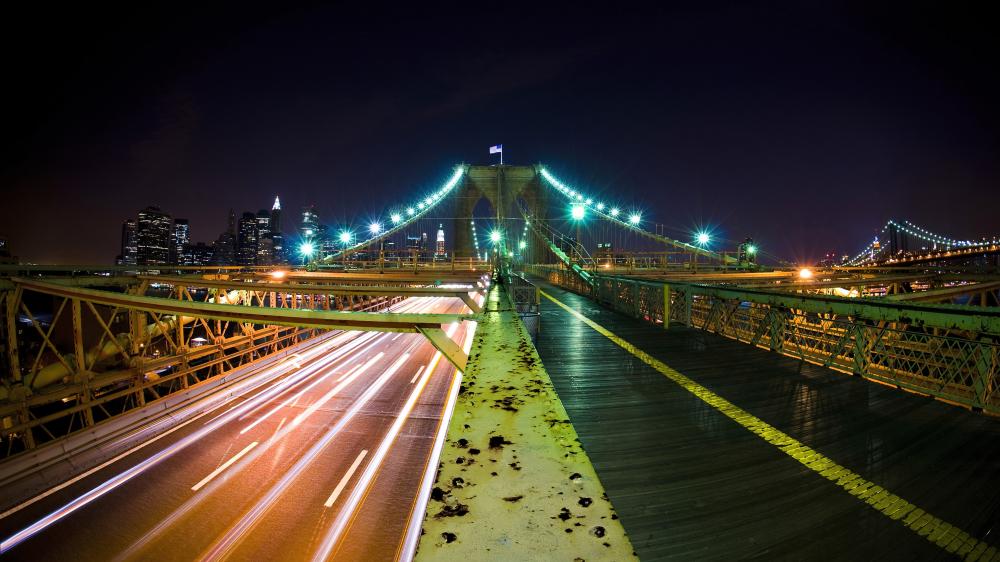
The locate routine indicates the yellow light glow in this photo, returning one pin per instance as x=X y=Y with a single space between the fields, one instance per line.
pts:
x=805 y=273
x=278 y=274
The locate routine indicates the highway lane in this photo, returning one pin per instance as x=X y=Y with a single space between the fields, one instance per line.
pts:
x=350 y=424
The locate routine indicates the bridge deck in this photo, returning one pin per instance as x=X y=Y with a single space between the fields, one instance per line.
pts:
x=691 y=483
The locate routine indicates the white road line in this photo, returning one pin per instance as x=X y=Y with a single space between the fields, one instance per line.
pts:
x=396 y=337
x=224 y=466
x=281 y=423
x=345 y=479
x=420 y=370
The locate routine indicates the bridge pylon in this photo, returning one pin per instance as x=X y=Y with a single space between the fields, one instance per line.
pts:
x=503 y=186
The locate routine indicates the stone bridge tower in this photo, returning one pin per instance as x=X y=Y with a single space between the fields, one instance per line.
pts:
x=502 y=186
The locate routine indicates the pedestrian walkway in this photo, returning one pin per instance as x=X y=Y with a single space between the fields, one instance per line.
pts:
x=714 y=449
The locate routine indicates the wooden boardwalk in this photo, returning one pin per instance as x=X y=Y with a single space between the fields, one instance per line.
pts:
x=691 y=483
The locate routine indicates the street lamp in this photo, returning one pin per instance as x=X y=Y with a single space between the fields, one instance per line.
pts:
x=375 y=228
x=703 y=238
x=495 y=236
x=307 y=249
x=395 y=218
x=635 y=218
x=578 y=212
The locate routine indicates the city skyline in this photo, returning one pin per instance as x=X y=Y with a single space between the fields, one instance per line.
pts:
x=806 y=128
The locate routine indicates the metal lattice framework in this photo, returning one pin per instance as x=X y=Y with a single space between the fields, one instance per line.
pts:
x=946 y=351
x=76 y=354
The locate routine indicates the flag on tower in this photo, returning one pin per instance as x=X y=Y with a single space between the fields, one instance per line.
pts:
x=497 y=148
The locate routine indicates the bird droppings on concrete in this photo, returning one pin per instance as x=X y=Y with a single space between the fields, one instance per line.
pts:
x=497 y=442
x=510 y=507
x=459 y=509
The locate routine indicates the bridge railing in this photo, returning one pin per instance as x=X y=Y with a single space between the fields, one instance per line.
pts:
x=945 y=351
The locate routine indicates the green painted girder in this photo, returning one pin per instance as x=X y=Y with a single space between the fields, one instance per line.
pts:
x=312 y=288
x=973 y=319
x=324 y=319
x=945 y=293
x=431 y=276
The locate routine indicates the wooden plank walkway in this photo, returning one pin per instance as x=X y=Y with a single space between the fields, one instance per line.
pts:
x=690 y=483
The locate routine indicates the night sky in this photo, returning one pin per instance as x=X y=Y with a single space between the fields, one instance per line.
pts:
x=804 y=126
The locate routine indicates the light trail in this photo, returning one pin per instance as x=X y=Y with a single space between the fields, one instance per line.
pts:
x=221 y=548
x=123 y=477
x=273 y=383
x=193 y=502
x=346 y=514
x=333 y=392
x=408 y=547
x=299 y=394
x=322 y=363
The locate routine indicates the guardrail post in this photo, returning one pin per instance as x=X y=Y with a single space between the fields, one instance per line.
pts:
x=688 y=302
x=82 y=375
x=13 y=298
x=666 y=306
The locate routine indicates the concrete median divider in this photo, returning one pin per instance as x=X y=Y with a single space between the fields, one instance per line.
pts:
x=513 y=481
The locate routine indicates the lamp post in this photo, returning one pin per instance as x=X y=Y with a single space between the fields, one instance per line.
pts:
x=578 y=212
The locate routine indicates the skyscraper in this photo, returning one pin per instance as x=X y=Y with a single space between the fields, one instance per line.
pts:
x=225 y=249
x=198 y=254
x=310 y=223
x=130 y=243
x=265 y=247
x=154 y=237
x=439 y=251
x=277 y=238
x=182 y=237
x=246 y=240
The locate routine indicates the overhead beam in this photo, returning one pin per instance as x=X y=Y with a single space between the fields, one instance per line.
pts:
x=973 y=319
x=313 y=288
x=296 y=317
x=946 y=293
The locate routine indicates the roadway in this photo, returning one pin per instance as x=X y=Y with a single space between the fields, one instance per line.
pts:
x=329 y=459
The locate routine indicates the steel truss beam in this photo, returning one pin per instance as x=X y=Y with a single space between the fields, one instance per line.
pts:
x=950 y=352
x=156 y=357
x=318 y=288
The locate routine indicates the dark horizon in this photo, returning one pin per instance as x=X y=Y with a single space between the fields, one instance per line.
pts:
x=806 y=127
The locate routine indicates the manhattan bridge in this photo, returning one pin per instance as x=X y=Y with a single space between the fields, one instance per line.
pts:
x=567 y=381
